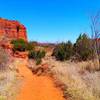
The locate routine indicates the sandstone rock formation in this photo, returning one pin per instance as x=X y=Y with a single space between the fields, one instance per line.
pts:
x=12 y=29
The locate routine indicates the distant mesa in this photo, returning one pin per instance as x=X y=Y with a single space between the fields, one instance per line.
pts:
x=12 y=29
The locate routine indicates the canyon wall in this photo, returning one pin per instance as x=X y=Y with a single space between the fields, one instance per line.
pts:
x=12 y=29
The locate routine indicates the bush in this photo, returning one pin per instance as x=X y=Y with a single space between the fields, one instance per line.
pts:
x=32 y=54
x=40 y=54
x=83 y=47
x=3 y=58
x=29 y=46
x=63 y=51
x=38 y=61
x=36 y=55
x=19 y=45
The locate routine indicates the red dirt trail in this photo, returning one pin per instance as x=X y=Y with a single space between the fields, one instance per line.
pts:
x=37 y=87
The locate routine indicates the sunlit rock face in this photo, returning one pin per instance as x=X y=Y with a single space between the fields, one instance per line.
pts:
x=12 y=29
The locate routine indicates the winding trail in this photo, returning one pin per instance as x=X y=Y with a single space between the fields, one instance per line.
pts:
x=37 y=87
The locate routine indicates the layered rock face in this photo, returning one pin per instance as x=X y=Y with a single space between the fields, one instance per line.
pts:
x=12 y=29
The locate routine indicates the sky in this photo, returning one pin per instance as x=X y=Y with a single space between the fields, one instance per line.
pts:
x=51 y=20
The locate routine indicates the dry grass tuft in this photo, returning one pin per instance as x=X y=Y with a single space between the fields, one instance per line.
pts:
x=9 y=81
x=91 y=66
x=3 y=59
x=80 y=80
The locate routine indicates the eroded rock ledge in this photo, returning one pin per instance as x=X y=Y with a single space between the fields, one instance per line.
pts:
x=12 y=29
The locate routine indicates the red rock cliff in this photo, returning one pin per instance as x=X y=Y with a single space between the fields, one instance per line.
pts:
x=12 y=29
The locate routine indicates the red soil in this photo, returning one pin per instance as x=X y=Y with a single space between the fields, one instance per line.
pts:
x=37 y=87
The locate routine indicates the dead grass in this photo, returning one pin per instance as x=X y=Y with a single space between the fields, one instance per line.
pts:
x=91 y=66
x=3 y=59
x=81 y=81
x=9 y=81
x=2 y=98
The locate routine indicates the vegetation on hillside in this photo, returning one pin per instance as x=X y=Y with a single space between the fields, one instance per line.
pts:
x=82 y=49
x=21 y=45
x=37 y=55
x=63 y=51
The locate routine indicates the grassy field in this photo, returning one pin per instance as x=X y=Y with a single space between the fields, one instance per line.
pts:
x=79 y=82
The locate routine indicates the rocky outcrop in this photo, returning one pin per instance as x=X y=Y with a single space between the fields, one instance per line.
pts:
x=12 y=29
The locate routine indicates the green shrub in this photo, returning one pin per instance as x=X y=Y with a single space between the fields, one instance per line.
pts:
x=40 y=54
x=63 y=51
x=29 y=46
x=37 y=55
x=83 y=47
x=19 y=45
x=38 y=61
x=32 y=54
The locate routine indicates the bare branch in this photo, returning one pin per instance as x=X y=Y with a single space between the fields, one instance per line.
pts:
x=95 y=30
